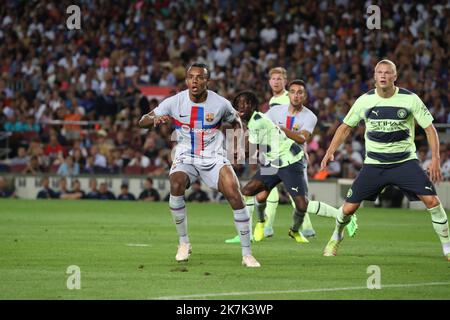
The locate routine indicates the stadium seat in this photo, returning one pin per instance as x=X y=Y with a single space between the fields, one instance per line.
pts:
x=17 y=168
x=132 y=170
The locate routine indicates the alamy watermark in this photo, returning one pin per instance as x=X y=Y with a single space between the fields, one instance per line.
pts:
x=73 y=22
x=74 y=279
x=374 y=280
x=373 y=20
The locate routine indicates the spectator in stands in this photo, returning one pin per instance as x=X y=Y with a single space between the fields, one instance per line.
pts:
x=197 y=194
x=21 y=158
x=93 y=193
x=53 y=150
x=125 y=194
x=5 y=190
x=104 y=193
x=76 y=192
x=139 y=160
x=149 y=193
x=46 y=192
x=33 y=166
x=99 y=159
x=352 y=160
x=63 y=191
x=68 y=168
x=445 y=162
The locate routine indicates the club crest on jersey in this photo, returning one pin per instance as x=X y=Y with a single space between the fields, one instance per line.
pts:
x=295 y=127
x=209 y=117
x=401 y=113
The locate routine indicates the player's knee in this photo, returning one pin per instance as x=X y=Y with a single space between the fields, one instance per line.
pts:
x=246 y=191
x=431 y=201
x=177 y=187
x=301 y=205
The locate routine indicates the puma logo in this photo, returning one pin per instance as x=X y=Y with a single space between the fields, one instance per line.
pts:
x=295 y=189
x=376 y=112
x=429 y=188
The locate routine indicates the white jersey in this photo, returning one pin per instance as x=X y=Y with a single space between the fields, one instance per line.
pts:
x=303 y=120
x=198 y=124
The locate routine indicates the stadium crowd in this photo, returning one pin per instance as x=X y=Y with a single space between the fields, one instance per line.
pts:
x=49 y=73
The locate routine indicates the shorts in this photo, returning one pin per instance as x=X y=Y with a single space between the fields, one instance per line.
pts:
x=408 y=176
x=292 y=176
x=206 y=169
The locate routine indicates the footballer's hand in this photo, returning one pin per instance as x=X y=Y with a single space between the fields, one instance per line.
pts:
x=434 y=171
x=161 y=120
x=328 y=157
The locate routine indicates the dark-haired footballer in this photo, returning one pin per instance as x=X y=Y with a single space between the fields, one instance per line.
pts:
x=197 y=114
x=283 y=161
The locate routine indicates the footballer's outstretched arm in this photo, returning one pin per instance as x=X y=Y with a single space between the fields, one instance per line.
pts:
x=300 y=137
x=434 y=169
x=149 y=120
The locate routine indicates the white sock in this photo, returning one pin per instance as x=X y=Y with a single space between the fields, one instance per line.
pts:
x=242 y=223
x=322 y=209
x=341 y=221
x=440 y=225
x=178 y=210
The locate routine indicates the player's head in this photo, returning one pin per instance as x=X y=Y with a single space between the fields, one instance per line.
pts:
x=385 y=74
x=277 y=79
x=297 y=93
x=245 y=103
x=197 y=77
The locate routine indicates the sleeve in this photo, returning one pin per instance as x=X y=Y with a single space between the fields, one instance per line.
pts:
x=165 y=107
x=353 y=117
x=311 y=123
x=254 y=129
x=229 y=114
x=421 y=112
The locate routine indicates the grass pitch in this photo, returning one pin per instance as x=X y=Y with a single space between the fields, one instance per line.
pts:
x=126 y=250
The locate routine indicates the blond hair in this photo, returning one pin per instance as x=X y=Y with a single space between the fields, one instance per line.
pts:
x=388 y=62
x=279 y=70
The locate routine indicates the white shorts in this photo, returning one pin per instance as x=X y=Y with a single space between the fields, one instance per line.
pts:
x=207 y=170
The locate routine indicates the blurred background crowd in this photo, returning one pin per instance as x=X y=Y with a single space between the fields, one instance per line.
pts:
x=50 y=76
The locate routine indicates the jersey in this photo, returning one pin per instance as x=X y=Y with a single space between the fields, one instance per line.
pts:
x=197 y=124
x=280 y=150
x=389 y=135
x=303 y=120
x=282 y=99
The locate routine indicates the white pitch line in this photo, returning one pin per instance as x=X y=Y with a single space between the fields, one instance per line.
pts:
x=225 y=294
x=137 y=245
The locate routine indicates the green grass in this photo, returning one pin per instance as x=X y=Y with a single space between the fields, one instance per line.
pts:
x=40 y=239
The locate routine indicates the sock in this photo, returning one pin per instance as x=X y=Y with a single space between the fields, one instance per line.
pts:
x=271 y=208
x=297 y=217
x=322 y=209
x=178 y=210
x=250 y=204
x=306 y=225
x=341 y=221
x=259 y=208
x=242 y=223
x=440 y=225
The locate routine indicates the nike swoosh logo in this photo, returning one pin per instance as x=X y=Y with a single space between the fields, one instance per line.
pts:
x=183 y=116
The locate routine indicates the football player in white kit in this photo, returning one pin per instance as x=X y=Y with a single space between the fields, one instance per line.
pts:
x=197 y=114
